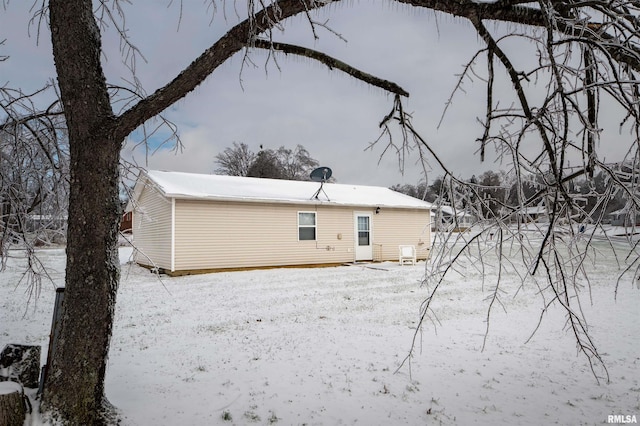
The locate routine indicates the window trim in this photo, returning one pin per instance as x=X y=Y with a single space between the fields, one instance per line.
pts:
x=314 y=226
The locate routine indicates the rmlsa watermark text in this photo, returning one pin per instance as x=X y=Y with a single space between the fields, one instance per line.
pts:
x=622 y=418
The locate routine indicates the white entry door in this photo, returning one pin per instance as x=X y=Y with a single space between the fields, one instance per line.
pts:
x=364 y=246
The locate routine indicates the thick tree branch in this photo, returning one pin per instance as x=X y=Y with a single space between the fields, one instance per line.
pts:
x=514 y=12
x=240 y=36
x=506 y=11
x=332 y=63
x=515 y=80
x=243 y=35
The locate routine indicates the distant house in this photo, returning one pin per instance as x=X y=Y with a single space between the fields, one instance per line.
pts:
x=186 y=222
x=127 y=222
x=624 y=217
x=39 y=222
x=533 y=214
x=446 y=218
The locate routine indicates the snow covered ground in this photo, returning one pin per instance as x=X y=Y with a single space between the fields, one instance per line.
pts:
x=321 y=347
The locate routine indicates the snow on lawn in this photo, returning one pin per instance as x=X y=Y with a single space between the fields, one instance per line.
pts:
x=321 y=347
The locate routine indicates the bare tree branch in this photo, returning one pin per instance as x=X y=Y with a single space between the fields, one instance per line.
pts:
x=240 y=36
x=332 y=64
x=3 y=57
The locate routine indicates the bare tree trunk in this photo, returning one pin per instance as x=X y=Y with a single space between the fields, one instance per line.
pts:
x=74 y=390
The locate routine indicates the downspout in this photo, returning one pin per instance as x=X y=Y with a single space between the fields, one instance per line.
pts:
x=173 y=234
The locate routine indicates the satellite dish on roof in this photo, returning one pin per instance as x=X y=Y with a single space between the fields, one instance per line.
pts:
x=321 y=174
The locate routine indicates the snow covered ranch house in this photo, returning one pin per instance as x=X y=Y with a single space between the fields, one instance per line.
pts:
x=188 y=223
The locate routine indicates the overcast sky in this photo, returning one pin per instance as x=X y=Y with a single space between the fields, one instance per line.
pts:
x=334 y=116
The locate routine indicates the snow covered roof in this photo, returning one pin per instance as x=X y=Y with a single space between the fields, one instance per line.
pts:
x=234 y=188
x=450 y=211
x=541 y=209
x=623 y=211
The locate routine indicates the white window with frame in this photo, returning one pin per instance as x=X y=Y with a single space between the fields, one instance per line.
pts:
x=306 y=226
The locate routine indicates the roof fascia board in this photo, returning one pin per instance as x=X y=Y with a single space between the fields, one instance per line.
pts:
x=312 y=202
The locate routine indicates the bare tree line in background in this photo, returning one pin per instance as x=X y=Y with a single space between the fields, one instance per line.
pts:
x=281 y=163
x=499 y=194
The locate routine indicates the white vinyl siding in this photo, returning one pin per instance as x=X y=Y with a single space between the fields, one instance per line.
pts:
x=212 y=235
x=218 y=235
x=394 y=227
x=152 y=229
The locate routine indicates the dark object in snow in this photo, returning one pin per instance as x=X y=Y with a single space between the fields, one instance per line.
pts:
x=56 y=325
x=20 y=363
x=13 y=408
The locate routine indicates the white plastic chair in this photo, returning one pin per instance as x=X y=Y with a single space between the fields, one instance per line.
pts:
x=407 y=255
